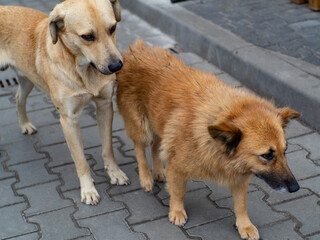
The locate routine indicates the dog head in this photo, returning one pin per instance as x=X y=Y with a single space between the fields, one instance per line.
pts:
x=254 y=142
x=88 y=29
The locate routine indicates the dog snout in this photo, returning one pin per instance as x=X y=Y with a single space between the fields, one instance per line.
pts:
x=115 y=66
x=292 y=185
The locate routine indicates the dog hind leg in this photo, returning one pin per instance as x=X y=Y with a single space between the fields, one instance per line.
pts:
x=158 y=171
x=25 y=87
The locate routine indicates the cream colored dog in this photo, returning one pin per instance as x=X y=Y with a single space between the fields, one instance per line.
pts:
x=72 y=56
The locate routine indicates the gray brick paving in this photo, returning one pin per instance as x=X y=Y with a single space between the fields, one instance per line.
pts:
x=307 y=216
x=50 y=201
x=259 y=212
x=40 y=189
x=160 y=229
x=32 y=173
x=105 y=206
x=277 y=25
x=7 y=195
x=144 y=206
x=13 y=223
x=59 y=225
x=111 y=226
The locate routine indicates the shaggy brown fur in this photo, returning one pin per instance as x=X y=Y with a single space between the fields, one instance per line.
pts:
x=204 y=128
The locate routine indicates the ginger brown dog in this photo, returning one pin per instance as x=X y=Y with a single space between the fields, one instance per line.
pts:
x=72 y=56
x=203 y=128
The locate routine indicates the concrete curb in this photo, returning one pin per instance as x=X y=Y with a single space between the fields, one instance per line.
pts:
x=286 y=80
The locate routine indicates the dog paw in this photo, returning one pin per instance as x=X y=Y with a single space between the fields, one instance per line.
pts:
x=178 y=217
x=117 y=177
x=159 y=176
x=146 y=182
x=248 y=232
x=28 y=128
x=90 y=196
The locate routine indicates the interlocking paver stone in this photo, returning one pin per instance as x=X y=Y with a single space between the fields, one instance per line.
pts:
x=21 y=152
x=309 y=142
x=69 y=175
x=143 y=206
x=294 y=128
x=58 y=225
x=221 y=229
x=312 y=184
x=119 y=157
x=32 y=173
x=282 y=230
x=14 y=224
x=106 y=204
x=301 y=166
x=191 y=186
x=160 y=229
x=131 y=171
x=59 y=154
x=11 y=134
x=308 y=216
x=7 y=195
x=111 y=226
x=44 y=198
x=128 y=144
x=200 y=209
x=31 y=236
x=259 y=212
x=3 y=173
x=221 y=192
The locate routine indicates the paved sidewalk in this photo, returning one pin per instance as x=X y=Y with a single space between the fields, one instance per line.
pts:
x=39 y=189
x=292 y=29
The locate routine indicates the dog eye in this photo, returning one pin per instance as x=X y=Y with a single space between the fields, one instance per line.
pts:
x=88 y=37
x=268 y=156
x=113 y=29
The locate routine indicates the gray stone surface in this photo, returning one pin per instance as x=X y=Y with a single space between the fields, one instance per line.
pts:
x=259 y=212
x=14 y=223
x=32 y=173
x=25 y=153
x=44 y=198
x=144 y=206
x=309 y=216
x=86 y=211
x=64 y=227
x=7 y=195
x=310 y=143
x=160 y=229
x=111 y=226
x=70 y=179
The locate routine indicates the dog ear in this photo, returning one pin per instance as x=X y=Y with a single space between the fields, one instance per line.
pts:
x=116 y=9
x=56 y=23
x=228 y=134
x=287 y=114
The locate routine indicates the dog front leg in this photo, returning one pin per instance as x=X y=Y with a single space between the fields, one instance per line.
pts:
x=245 y=228
x=104 y=119
x=71 y=130
x=176 y=185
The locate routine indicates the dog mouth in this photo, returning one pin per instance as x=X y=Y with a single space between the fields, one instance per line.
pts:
x=281 y=185
x=104 y=72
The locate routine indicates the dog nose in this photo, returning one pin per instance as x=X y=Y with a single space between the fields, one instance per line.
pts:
x=115 y=66
x=293 y=186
